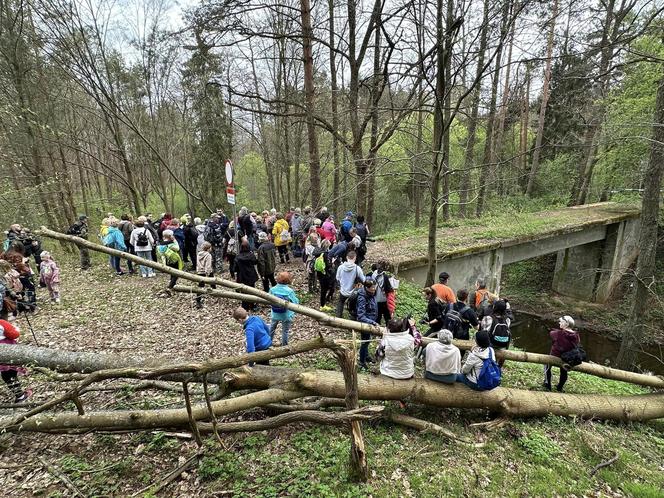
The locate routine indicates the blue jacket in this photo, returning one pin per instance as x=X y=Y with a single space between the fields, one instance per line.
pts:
x=114 y=239
x=339 y=251
x=178 y=233
x=257 y=334
x=346 y=225
x=286 y=293
x=367 y=309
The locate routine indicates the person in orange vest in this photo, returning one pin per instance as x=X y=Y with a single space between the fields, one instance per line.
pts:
x=481 y=300
x=442 y=290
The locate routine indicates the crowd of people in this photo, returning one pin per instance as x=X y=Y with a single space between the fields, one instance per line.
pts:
x=252 y=245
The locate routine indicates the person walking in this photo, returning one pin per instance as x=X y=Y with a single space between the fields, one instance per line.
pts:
x=281 y=315
x=282 y=237
x=267 y=261
x=348 y=276
x=80 y=229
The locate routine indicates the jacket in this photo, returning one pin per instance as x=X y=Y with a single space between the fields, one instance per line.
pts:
x=367 y=309
x=204 y=263
x=79 y=229
x=190 y=235
x=245 y=267
x=49 y=273
x=277 y=229
x=339 y=250
x=398 y=362
x=9 y=335
x=347 y=273
x=296 y=223
x=169 y=254
x=257 y=334
x=383 y=286
x=473 y=365
x=436 y=310
x=284 y=292
x=345 y=227
x=563 y=341
x=114 y=239
x=469 y=318
x=329 y=231
x=134 y=237
x=442 y=359
x=126 y=227
x=267 y=261
x=444 y=293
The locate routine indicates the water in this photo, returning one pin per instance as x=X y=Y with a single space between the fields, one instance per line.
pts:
x=531 y=333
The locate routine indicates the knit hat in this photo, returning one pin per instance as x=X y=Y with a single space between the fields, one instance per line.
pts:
x=349 y=214
x=262 y=236
x=168 y=233
x=445 y=336
x=482 y=339
x=317 y=222
x=443 y=275
x=46 y=254
x=568 y=320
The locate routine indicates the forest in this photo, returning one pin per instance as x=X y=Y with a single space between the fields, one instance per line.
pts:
x=427 y=119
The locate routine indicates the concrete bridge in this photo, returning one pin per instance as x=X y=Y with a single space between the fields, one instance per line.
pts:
x=594 y=243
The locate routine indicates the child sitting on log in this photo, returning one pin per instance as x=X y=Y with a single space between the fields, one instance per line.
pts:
x=480 y=371
x=256 y=331
x=8 y=335
x=397 y=348
x=442 y=359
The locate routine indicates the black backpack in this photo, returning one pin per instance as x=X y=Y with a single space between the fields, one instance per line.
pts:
x=361 y=229
x=454 y=321
x=574 y=357
x=351 y=302
x=499 y=332
x=75 y=229
x=142 y=239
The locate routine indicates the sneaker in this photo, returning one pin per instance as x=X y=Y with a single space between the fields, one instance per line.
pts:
x=546 y=386
x=119 y=273
x=559 y=389
x=326 y=308
x=23 y=397
x=57 y=300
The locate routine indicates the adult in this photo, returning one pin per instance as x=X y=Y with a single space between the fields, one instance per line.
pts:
x=80 y=229
x=245 y=267
x=256 y=332
x=165 y=221
x=472 y=367
x=115 y=240
x=329 y=229
x=267 y=261
x=15 y=256
x=289 y=214
x=215 y=234
x=246 y=227
x=176 y=227
x=481 y=299
x=442 y=359
x=126 y=226
x=367 y=312
x=152 y=228
x=460 y=317
x=281 y=236
x=338 y=252
x=442 y=290
x=497 y=324
x=190 y=240
x=223 y=219
x=436 y=310
x=143 y=241
x=324 y=271
x=345 y=227
x=383 y=288
x=356 y=242
x=230 y=249
x=296 y=229
x=348 y=276
x=323 y=214
x=564 y=339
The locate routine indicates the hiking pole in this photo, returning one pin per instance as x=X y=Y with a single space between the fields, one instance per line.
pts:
x=31 y=329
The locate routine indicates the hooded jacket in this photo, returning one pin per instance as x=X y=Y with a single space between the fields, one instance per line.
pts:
x=257 y=334
x=283 y=291
x=296 y=223
x=473 y=365
x=399 y=355
x=563 y=341
x=346 y=275
x=204 y=263
x=367 y=309
x=115 y=239
x=442 y=359
x=277 y=229
x=267 y=260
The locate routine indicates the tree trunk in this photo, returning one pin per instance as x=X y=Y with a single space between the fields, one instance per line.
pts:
x=545 y=102
x=635 y=333
x=309 y=90
x=336 y=204
x=523 y=132
x=447 y=109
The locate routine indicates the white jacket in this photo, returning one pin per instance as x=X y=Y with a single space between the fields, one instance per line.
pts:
x=399 y=355
x=442 y=359
x=473 y=364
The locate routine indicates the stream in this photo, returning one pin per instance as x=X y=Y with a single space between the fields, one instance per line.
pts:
x=531 y=333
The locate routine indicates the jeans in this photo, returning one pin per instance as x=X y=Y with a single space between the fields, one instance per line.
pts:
x=115 y=263
x=340 y=305
x=145 y=270
x=285 y=327
x=130 y=264
x=283 y=253
x=199 y=298
x=464 y=380
x=445 y=379
x=364 y=347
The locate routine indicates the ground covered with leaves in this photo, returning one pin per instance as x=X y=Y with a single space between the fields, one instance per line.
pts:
x=99 y=312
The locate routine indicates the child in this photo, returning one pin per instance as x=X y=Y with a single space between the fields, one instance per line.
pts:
x=10 y=373
x=564 y=339
x=397 y=349
x=472 y=367
x=11 y=287
x=204 y=268
x=49 y=274
x=169 y=253
x=280 y=314
x=442 y=359
x=256 y=332
x=267 y=260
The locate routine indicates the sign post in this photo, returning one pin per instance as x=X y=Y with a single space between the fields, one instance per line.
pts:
x=230 y=196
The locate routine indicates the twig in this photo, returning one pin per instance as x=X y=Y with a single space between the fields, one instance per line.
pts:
x=192 y=421
x=170 y=477
x=61 y=477
x=608 y=462
x=209 y=407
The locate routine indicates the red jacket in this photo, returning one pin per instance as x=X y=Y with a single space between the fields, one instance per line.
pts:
x=563 y=341
x=10 y=332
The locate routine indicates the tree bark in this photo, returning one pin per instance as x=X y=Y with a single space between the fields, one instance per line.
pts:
x=636 y=330
x=334 y=98
x=545 y=101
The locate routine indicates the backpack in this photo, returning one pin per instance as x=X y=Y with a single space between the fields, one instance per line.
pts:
x=574 y=357
x=277 y=308
x=109 y=241
x=499 y=332
x=361 y=229
x=319 y=263
x=74 y=230
x=484 y=305
x=489 y=376
x=231 y=247
x=351 y=302
x=214 y=234
x=142 y=239
x=285 y=235
x=454 y=321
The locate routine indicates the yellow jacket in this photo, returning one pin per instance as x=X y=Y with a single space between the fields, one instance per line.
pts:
x=279 y=227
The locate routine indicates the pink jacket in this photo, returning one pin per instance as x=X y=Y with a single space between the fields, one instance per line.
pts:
x=49 y=273
x=329 y=231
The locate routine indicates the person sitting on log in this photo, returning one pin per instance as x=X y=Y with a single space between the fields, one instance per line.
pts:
x=396 y=351
x=564 y=339
x=256 y=332
x=480 y=365
x=442 y=359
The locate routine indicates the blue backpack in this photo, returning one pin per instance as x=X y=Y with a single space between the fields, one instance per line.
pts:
x=489 y=376
x=277 y=308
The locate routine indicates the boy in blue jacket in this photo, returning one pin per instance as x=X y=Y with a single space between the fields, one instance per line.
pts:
x=256 y=332
x=280 y=314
